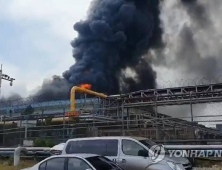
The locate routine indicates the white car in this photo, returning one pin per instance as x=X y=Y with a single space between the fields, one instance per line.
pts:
x=57 y=149
x=75 y=162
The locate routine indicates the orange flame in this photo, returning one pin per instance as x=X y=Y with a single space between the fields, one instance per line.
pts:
x=86 y=86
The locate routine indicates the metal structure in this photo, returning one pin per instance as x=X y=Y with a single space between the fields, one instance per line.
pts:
x=168 y=97
x=140 y=101
x=171 y=96
x=5 y=77
x=125 y=114
x=152 y=97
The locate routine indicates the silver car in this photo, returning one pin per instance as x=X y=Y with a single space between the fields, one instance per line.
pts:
x=130 y=153
x=75 y=162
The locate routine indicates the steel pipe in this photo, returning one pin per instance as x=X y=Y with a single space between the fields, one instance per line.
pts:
x=76 y=88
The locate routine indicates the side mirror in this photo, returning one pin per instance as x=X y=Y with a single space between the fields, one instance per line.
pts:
x=143 y=153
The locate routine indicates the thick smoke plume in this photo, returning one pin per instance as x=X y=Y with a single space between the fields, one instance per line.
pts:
x=12 y=97
x=56 y=89
x=197 y=12
x=192 y=34
x=191 y=59
x=118 y=34
x=198 y=45
x=115 y=36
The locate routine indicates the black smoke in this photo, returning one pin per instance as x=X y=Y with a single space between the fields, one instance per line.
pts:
x=144 y=71
x=115 y=36
x=56 y=89
x=12 y=97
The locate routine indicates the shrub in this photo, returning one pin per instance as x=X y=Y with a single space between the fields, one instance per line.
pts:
x=39 y=142
x=49 y=143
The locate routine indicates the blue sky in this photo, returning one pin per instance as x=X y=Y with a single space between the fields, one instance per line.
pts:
x=35 y=38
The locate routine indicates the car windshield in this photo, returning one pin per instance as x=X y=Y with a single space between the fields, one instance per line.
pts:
x=147 y=143
x=107 y=147
x=102 y=163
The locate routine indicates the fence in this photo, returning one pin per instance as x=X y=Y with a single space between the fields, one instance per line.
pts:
x=63 y=128
x=48 y=120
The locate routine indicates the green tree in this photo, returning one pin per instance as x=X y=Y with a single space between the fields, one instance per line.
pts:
x=28 y=110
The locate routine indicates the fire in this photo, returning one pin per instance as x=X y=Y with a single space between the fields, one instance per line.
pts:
x=86 y=86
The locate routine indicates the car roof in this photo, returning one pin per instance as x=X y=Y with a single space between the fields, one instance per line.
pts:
x=80 y=155
x=139 y=138
x=109 y=137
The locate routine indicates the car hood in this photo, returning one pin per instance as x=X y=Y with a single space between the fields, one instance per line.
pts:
x=177 y=160
x=58 y=147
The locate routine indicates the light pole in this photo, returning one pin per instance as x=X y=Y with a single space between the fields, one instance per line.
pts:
x=5 y=77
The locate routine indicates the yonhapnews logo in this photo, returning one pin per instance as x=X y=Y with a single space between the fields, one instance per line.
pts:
x=158 y=153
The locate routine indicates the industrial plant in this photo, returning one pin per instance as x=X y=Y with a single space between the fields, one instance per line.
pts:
x=131 y=114
x=98 y=86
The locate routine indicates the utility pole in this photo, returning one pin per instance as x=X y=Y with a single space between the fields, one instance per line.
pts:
x=5 y=77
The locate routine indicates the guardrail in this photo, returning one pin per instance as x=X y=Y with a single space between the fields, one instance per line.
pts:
x=193 y=147
x=27 y=152
x=31 y=152
x=44 y=152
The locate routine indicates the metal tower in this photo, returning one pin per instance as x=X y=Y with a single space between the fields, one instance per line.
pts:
x=5 y=77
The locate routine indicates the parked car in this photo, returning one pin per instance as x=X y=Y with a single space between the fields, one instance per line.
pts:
x=57 y=149
x=75 y=162
x=130 y=153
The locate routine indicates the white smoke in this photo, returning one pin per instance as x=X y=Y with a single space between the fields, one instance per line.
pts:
x=193 y=38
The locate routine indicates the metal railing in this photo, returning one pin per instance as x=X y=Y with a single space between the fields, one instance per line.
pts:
x=159 y=129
